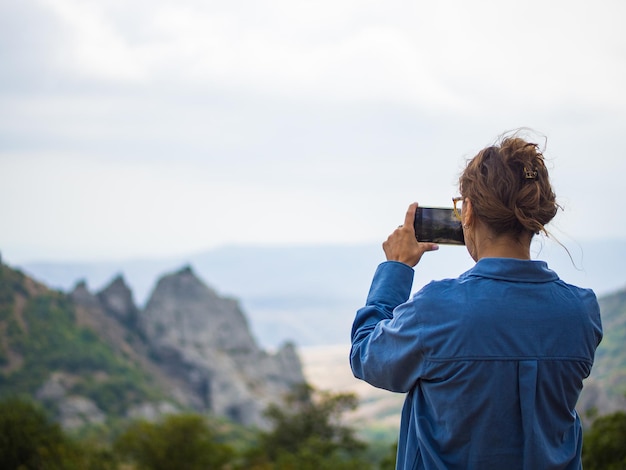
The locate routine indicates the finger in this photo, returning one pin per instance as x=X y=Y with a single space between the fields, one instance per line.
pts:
x=429 y=246
x=409 y=219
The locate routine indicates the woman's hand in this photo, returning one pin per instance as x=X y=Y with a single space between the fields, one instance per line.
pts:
x=402 y=246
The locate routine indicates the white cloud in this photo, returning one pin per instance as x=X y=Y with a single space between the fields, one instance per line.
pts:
x=94 y=47
x=468 y=56
x=109 y=110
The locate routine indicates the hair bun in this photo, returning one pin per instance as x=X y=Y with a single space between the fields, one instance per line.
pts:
x=497 y=181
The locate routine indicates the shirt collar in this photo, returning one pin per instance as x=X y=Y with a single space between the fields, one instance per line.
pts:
x=512 y=269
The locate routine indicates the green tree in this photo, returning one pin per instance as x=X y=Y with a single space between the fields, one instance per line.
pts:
x=308 y=433
x=388 y=462
x=183 y=442
x=28 y=438
x=604 y=445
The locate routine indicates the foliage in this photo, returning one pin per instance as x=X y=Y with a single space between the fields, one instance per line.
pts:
x=11 y=282
x=309 y=434
x=45 y=335
x=184 y=442
x=382 y=443
x=603 y=446
x=30 y=440
x=610 y=361
x=388 y=462
x=28 y=437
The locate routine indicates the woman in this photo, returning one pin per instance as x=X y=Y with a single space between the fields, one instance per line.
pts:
x=493 y=361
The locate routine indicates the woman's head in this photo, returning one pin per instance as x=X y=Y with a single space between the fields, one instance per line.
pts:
x=509 y=188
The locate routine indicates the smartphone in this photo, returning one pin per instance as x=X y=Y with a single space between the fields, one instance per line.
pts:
x=438 y=225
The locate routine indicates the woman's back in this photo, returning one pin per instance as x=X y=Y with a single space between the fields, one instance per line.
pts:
x=504 y=357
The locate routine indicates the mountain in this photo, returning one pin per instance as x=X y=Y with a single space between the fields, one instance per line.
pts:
x=92 y=356
x=309 y=294
x=605 y=390
x=204 y=340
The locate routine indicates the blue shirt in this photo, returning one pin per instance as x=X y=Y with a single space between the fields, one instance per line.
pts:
x=492 y=362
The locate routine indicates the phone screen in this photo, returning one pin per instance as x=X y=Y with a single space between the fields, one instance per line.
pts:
x=438 y=225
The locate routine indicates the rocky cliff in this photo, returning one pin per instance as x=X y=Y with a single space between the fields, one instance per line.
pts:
x=204 y=341
x=88 y=356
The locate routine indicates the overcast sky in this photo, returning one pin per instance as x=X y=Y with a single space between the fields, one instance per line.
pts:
x=147 y=128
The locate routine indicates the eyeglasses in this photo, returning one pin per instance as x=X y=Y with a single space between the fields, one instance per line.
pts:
x=458 y=207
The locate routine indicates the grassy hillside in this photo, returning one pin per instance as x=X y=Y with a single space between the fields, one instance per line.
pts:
x=610 y=365
x=39 y=337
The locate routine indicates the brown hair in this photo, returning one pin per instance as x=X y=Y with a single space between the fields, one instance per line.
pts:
x=509 y=187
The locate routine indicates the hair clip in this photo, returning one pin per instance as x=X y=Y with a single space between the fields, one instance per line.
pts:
x=530 y=173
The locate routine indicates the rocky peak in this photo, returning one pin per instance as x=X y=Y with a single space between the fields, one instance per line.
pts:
x=117 y=300
x=289 y=361
x=81 y=295
x=205 y=340
x=182 y=310
x=187 y=269
x=184 y=282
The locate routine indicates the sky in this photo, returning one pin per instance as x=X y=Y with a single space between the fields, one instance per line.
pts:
x=139 y=129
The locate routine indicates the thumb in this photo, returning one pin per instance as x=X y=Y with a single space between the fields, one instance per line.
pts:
x=409 y=218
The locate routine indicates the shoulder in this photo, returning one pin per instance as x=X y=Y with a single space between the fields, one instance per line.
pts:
x=586 y=299
x=444 y=285
x=452 y=290
x=585 y=295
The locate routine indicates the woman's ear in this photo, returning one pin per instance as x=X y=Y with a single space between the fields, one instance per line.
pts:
x=467 y=215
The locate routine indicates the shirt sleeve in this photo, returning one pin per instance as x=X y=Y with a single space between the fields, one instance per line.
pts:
x=384 y=352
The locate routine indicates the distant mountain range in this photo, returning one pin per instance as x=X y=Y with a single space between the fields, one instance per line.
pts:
x=308 y=294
